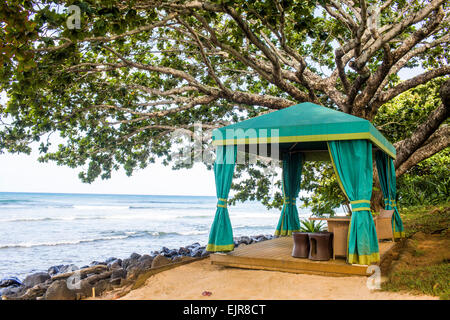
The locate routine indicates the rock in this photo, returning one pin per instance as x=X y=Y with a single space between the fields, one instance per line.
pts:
x=53 y=270
x=145 y=262
x=102 y=286
x=84 y=267
x=160 y=261
x=196 y=253
x=11 y=281
x=97 y=263
x=165 y=250
x=204 y=253
x=245 y=239
x=35 y=278
x=82 y=272
x=13 y=291
x=145 y=257
x=184 y=251
x=111 y=259
x=176 y=258
x=58 y=291
x=35 y=292
x=115 y=264
x=97 y=277
x=193 y=246
x=135 y=256
x=130 y=262
x=171 y=253
x=118 y=274
x=115 y=282
x=67 y=268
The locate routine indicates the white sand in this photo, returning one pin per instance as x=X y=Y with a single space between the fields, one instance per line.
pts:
x=189 y=281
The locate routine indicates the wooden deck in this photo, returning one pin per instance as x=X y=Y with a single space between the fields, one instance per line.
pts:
x=275 y=255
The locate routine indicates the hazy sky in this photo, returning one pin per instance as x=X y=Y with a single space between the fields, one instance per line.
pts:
x=23 y=173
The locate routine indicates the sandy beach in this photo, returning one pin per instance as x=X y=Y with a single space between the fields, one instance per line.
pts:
x=191 y=280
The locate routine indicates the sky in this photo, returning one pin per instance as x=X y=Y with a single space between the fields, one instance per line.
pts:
x=23 y=173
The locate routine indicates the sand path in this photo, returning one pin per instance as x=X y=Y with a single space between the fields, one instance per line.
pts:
x=189 y=281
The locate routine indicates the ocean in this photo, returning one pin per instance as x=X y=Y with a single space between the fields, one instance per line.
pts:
x=39 y=230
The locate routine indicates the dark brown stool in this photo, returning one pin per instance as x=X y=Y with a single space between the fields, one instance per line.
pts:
x=301 y=245
x=320 y=246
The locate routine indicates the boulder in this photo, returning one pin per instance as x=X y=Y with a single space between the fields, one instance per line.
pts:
x=118 y=274
x=170 y=253
x=204 y=253
x=11 y=281
x=144 y=263
x=130 y=262
x=58 y=291
x=194 y=245
x=177 y=258
x=54 y=270
x=35 y=278
x=145 y=257
x=97 y=263
x=135 y=256
x=68 y=268
x=115 y=264
x=102 y=286
x=115 y=282
x=184 y=251
x=160 y=261
x=12 y=291
x=165 y=250
x=111 y=259
x=35 y=292
x=245 y=239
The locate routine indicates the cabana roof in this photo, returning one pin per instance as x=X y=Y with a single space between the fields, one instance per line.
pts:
x=305 y=126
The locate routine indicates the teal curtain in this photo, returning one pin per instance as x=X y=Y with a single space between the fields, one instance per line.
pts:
x=386 y=174
x=352 y=161
x=292 y=174
x=221 y=233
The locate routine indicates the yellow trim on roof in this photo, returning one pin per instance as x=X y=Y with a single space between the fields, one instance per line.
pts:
x=307 y=138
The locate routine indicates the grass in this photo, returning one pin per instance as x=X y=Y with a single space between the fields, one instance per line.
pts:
x=426 y=219
x=425 y=268
x=431 y=280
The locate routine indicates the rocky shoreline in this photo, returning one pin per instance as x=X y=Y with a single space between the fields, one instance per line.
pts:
x=69 y=282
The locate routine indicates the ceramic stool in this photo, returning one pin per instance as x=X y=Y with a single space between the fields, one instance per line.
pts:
x=320 y=247
x=301 y=245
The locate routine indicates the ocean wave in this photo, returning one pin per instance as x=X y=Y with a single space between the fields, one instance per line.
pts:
x=50 y=219
x=121 y=235
x=99 y=207
x=67 y=242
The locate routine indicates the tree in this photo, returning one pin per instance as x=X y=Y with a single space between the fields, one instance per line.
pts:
x=135 y=71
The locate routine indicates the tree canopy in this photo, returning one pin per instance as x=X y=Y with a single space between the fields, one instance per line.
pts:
x=116 y=87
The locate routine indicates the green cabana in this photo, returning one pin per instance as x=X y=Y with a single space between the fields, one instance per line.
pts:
x=308 y=132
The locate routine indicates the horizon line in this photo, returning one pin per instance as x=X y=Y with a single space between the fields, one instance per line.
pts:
x=109 y=194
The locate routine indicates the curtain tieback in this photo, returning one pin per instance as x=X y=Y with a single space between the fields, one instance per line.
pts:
x=360 y=205
x=222 y=202
x=390 y=202
x=291 y=201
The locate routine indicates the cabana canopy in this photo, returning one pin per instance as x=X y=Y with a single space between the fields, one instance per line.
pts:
x=307 y=125
x=310 y=132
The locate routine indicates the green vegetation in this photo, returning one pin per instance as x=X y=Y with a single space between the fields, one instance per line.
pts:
x=311 y=225
x=431 y=280
x=423 y=266
x=426 y=219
